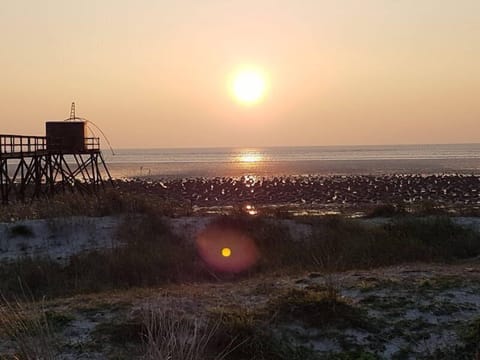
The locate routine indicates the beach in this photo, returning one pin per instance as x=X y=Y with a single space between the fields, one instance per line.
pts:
x=336 y=191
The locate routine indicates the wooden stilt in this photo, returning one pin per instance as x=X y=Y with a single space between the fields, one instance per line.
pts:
x=29 y=169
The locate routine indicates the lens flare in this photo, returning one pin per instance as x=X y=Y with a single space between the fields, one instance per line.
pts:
x=226 y=247
x=226 y=252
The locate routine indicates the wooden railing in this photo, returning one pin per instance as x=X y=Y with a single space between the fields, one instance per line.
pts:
x=20 y=144
x=92 y=143
x=10 y=144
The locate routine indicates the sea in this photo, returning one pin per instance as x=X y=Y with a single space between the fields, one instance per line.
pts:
x=291 y=161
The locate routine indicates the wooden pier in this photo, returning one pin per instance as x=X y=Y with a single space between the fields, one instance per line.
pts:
x=38 y=166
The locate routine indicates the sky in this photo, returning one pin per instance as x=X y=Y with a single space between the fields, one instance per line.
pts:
x=154 y=73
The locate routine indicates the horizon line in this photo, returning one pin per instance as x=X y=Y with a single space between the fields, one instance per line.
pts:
x=293 y=146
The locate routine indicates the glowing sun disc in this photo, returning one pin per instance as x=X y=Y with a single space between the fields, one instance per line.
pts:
x=249 y=86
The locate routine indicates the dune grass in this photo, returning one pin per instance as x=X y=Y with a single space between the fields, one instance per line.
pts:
x=108 y=202
x=317 y=308
x=148 y=254
x=339 y=244
x=250 y=335
x=173 y=336
x=28 y=326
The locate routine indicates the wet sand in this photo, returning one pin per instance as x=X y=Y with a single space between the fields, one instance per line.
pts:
x=286 y=168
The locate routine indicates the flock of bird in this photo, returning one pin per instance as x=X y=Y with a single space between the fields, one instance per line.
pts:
x=342 y=190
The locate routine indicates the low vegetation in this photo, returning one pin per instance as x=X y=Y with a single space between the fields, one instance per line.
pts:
x=29 y=328
x=267 y=318
x=110 y=202
x=148 y=254
x=318 y=308
x=169 y=334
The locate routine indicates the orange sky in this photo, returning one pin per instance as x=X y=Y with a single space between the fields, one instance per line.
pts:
x=156 y=73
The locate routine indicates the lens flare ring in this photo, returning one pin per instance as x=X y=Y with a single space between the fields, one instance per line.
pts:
x=226 y=247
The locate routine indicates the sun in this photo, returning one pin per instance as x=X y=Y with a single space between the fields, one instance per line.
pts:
x=249 y=86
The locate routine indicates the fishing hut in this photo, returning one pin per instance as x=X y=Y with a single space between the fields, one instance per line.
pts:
x=64 y=159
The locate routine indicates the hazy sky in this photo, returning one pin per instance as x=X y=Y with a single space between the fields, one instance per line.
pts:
x=156 y=73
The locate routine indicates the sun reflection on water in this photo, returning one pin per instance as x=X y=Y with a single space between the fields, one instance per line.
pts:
x=250 y=157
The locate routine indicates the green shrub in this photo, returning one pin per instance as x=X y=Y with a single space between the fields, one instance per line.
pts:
x=317 y=309
x=433 y=238
x=249 y=336
x=346 y=244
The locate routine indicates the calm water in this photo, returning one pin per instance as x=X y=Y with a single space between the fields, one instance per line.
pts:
x=464 y=158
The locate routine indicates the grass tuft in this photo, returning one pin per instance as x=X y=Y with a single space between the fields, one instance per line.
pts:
x=318 y=309
x=173 y=336
x=28 y=327
x=250 y=336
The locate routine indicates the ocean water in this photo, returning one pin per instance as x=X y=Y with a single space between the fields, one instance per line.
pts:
x=275 y=161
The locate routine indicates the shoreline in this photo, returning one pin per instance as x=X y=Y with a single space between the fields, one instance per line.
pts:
x=272 y=168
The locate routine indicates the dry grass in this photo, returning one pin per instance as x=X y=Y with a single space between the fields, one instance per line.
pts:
x=110 y=202
x=173 y=336
x=27 y=326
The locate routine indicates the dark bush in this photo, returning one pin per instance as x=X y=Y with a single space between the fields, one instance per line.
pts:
x=344 y=244
x=386 y=210
x=35 y=276
x=21 y=230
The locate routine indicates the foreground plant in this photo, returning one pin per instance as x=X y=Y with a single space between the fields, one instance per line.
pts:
x=26 y=325
x=172 y=336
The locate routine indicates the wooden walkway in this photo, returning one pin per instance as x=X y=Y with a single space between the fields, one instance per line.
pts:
x=18 y=146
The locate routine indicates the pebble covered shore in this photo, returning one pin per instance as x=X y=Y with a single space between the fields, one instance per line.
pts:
x=340 y=190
